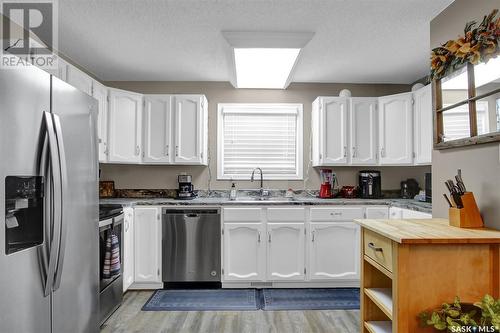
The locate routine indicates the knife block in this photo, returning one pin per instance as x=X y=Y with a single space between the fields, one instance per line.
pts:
x=468 y=216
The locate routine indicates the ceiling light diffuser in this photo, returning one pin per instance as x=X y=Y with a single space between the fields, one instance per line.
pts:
x=264 y=67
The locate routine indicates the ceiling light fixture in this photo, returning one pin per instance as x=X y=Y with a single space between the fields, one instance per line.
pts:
x=265 y=60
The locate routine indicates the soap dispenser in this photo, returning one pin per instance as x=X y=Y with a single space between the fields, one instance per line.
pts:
x=232 y=193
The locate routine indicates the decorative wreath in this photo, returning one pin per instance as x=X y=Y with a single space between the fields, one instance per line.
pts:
x=480 y=43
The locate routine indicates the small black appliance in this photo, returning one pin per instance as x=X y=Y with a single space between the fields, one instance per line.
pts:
x=428 y=187
x=370 y=184
x=186 y=188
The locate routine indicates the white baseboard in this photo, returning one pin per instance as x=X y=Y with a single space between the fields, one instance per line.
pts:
x=309 y=284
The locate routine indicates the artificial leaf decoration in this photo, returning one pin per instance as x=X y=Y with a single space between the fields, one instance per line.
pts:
x=479 y=43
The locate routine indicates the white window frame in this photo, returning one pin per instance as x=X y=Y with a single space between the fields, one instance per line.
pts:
x=280 y=108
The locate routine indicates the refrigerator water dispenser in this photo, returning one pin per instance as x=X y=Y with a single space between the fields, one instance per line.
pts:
x=23 y=212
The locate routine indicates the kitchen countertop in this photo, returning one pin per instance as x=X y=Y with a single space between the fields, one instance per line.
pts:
x=435 y=231
x=424 y=207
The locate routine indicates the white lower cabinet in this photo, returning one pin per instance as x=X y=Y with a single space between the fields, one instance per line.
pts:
x=285 y=251
x=334 y=251
x=147 y=245
x=377 y=212
x=128 y=248
x=244 y=252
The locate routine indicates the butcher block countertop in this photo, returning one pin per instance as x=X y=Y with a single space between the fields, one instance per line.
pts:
x=431 y=231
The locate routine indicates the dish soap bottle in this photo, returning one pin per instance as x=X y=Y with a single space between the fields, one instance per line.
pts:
x=232 y=193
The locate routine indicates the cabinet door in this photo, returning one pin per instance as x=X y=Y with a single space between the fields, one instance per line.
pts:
x=61 y=70
x=334 y=251
x=333 y=128
x=189 y=129
x=157 y=129
x=125 y=126
x=128 y=248
x=100 y=93
x=244 y=252
x=79 y=79
x=395 y=129
x=285 y=251
x=377 y=212
x=363 y=131
x=412 y=214
x=423 y=125
x=147 y=239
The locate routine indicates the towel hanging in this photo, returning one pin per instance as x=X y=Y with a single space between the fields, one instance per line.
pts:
x=112 y=265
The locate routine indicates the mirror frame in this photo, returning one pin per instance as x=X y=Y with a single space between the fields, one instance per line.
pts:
x=438 y=109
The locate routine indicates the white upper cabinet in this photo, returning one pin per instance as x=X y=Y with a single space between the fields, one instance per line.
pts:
x=125 y=127
x=100 y=93
x=157 y=129
x=285 y=252
x=363 y=131
x=79 y=79
x=244 y=252
x=191 y=129
x=330 y=131
x=334 y=251
x=147 y=245
x=423 y=125
x=395 y=114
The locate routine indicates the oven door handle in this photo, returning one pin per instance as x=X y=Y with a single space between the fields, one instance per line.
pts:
x=105 y=223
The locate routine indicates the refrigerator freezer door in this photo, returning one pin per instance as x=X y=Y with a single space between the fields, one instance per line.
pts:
x=76 y=287
x=24 y=95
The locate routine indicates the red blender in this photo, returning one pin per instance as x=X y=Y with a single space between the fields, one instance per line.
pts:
x=327 y=183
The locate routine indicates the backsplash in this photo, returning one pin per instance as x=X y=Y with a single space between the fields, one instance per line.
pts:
x=165 y=177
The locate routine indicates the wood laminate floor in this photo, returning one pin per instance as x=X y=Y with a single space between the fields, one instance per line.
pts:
x=130 y=318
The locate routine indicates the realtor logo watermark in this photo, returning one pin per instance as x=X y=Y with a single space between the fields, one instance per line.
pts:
x=474 y=329
x=29 y=33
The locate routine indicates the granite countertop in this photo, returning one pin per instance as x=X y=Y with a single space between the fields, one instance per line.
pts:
x=424 y=207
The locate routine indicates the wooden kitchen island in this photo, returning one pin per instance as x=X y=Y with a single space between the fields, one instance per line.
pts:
x=408 y=266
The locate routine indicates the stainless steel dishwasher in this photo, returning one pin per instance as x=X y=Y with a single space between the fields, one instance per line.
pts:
x=191 y=245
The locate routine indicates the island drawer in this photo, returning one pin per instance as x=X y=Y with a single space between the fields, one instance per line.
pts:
x=378 y=248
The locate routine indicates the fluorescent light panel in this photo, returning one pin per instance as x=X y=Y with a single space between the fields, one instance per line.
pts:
x=264 y=67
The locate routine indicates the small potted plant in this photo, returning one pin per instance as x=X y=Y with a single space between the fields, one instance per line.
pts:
x=483 y=316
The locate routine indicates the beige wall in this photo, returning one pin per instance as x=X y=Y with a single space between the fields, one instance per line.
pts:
x=134 y=176
x=480 y=164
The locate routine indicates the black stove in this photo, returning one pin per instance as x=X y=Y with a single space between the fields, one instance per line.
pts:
x=107 y=211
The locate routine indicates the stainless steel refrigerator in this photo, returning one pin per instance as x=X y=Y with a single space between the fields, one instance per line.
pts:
x=49 y=251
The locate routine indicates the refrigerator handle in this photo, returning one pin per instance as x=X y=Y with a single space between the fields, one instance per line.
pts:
x=43 y=170
x=64 y=194
x=56 y=200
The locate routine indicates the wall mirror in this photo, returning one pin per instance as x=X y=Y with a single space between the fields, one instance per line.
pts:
x=467 y=104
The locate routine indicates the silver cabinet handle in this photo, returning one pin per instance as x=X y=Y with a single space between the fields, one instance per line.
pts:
x=353 y=152
x=382 y=152
x=258 y=237
x=313 y=234
x=345 y=151
x=176 y=150
x=137 y=150
x=269 y=237
x=166 y=150
x=336 y=214
x=374 y=248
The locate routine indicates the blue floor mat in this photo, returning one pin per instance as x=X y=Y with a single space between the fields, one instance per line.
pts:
x=310 y=299
x=204 y=300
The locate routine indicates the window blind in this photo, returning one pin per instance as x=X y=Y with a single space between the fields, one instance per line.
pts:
x=260 y=135
x=456 y=121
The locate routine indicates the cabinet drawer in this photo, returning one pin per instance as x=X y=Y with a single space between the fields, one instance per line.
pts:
x=242 y=214
x=286 y=214
x=378 y=248
x=336 y=214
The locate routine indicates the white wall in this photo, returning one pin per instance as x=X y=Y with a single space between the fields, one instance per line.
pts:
x=480 y=164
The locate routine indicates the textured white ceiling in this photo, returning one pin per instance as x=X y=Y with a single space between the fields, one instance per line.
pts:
x=355 y=41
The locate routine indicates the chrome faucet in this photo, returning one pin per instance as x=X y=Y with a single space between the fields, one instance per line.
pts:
x=263 y=193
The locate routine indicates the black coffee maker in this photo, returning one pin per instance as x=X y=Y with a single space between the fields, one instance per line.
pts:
x=370 y=184
x=186 y=188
